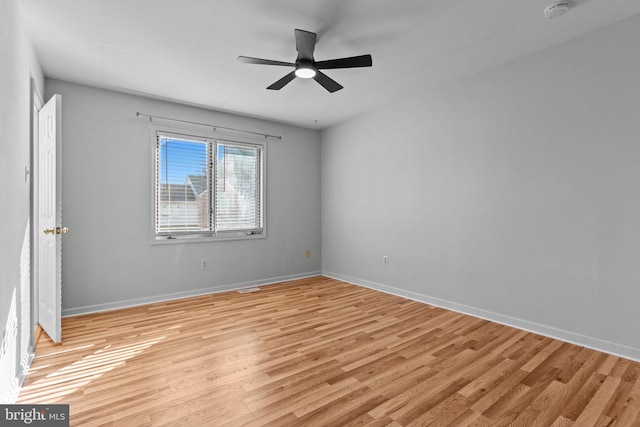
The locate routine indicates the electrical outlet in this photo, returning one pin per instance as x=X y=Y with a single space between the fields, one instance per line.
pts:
x=204 y=264
x=385 y=260
x=307 y=253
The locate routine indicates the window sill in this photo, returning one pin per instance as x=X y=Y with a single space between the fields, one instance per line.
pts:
x=205 y=239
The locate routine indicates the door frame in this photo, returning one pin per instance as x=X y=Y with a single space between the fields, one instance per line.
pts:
x=37 y=102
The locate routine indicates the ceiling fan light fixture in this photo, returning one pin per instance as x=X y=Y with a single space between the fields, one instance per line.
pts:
x=305 y=72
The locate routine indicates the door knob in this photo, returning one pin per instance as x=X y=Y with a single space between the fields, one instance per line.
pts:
x=57 y=230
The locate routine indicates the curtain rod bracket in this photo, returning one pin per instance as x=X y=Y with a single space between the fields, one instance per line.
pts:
x=138 y=114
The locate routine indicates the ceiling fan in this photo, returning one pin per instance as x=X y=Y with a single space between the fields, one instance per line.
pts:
x=308 y=68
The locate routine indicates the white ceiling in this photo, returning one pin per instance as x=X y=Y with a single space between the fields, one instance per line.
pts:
x=186 y=50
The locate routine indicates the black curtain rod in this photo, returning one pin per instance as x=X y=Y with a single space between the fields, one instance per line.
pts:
x=139 y=114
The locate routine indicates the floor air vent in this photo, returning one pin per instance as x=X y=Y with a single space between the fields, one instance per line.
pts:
x=247 y=290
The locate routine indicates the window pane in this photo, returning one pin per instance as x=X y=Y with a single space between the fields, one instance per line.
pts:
x=238 y=190
x=182 y=203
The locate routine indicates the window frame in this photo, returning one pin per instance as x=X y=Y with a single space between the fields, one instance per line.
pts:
x=212 y=138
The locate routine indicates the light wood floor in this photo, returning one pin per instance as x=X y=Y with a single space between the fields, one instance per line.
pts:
x=322 y=352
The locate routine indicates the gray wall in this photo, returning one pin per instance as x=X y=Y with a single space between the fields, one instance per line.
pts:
x=515 y=193
x=107 y=256
x=17 y=66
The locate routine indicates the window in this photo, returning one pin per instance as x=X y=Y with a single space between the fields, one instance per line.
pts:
x=207 y=188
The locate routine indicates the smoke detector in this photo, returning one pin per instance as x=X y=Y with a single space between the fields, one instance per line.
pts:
x=557 y=9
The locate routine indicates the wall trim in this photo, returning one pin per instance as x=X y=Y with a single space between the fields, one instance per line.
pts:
x=116 y=305
x=609 y=347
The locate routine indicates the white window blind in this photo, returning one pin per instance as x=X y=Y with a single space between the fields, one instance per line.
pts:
x=238 y=189
x=190 y=203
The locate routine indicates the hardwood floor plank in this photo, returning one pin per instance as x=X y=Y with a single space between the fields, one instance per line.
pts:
x=629 y=416
x=562 y=422
x=593 y=412
x=480 y=385
x=541 y=403
x=443 y=413
x=499 y=391
x=542 y=355
x=570 y=390
x=319 y=351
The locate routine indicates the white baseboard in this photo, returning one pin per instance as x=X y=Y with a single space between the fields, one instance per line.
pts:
x=116 y=305
x=615 y=349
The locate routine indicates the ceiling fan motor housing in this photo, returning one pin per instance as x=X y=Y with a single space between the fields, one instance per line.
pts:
x=305 y=68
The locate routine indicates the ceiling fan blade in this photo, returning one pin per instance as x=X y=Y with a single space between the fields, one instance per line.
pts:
x=351 y=62
x=283 y=81
x=327 y=82
x=305 y=44
x=250 y=60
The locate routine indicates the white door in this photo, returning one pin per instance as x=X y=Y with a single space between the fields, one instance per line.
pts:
x=49 y=228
